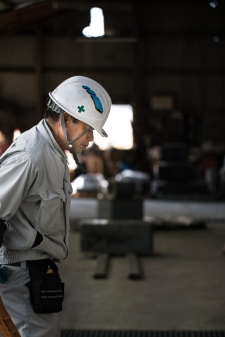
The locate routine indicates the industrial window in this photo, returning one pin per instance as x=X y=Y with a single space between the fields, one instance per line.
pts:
x=118 y=127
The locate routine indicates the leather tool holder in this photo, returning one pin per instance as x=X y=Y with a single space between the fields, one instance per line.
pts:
x=46 y=289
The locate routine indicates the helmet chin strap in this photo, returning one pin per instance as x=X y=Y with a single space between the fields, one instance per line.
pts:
x=74 y=153
x=57 y=109
x=77 y=161
x=71 y=143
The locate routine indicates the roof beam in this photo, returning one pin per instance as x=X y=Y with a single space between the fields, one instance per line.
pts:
x=29 y=14
x=8 y=3
x=26 y=17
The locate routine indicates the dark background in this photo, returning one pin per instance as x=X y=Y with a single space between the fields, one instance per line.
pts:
x=151 y=49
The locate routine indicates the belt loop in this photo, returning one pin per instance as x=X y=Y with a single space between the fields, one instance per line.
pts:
x=24 y=265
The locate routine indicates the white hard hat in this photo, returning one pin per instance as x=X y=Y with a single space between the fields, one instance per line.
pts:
x=84 y=99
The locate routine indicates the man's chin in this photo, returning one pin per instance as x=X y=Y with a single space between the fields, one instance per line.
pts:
x=78 y=151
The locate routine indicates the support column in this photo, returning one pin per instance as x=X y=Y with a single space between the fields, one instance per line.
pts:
x=38 y=76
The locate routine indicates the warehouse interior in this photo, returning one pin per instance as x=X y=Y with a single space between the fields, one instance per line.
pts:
x=161 y=174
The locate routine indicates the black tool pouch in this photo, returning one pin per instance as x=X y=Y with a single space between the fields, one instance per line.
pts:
x=46 y=289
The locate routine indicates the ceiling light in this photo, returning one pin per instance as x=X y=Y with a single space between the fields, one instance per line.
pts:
x=216 y=39
x=213 y=4
x=96 y=27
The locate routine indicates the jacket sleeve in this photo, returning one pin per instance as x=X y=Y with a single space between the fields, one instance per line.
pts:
x=17 y=175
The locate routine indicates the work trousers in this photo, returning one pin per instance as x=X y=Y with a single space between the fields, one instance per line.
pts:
x=16 y=298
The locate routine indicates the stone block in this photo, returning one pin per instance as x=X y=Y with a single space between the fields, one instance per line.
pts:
x=116 y=237
x=117 y=209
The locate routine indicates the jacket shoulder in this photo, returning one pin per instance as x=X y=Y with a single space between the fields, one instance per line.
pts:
x=28 y=145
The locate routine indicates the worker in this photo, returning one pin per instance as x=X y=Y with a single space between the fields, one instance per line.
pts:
x=35 y=199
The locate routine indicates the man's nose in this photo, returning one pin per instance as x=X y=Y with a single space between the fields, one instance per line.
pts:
x=90 y=136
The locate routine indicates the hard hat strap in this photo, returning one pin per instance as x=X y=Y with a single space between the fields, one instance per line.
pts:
x=83 y=133
x=54 y=107
x=63 y=124
x=57 y=109
x=74 y=153
x=78 y=163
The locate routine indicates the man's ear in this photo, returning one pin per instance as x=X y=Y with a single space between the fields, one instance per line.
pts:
x=66 y=116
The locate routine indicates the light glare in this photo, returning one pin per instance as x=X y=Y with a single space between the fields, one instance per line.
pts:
x=16 y=134
x=96 y=27
x=213 y=4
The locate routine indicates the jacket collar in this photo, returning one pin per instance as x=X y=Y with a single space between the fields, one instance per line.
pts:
x=46 y=133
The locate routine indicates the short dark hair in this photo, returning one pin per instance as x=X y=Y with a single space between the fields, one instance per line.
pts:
x=49 y=113
x=54 y=116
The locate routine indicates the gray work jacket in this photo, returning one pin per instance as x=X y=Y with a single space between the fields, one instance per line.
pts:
x=35 y=195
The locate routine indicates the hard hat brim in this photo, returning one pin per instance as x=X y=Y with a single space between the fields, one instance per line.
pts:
x=102 y=133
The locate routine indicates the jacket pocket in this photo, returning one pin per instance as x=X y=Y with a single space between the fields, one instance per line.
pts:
x=49 y=212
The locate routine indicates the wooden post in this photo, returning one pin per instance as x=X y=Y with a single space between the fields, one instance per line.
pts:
x=134 y=267
x=38 y=75
x=7 y=327
x=102 y=266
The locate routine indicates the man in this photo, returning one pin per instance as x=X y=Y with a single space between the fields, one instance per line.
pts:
x=35 y=194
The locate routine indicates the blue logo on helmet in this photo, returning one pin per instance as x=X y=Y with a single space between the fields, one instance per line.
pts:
x=96 y=100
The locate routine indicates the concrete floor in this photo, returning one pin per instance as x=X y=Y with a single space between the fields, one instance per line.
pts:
x=208 y=210
x=183 y=286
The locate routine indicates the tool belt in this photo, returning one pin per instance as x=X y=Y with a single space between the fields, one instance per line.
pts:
x=45 y=286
